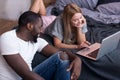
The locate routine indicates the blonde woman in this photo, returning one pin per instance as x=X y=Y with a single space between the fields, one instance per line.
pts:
x=68 y=30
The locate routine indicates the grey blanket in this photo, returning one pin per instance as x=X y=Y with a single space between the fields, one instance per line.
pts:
x=107 y=67
x=98 y=30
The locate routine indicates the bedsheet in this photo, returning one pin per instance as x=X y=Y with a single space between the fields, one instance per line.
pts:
x=98 y=30
x=103 y=18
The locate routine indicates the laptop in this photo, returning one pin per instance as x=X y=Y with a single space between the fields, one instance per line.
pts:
x=98 y=50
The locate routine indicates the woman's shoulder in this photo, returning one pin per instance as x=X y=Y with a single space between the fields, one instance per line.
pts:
x=59 y=20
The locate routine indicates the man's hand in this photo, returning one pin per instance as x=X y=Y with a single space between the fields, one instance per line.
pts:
x=75 y=66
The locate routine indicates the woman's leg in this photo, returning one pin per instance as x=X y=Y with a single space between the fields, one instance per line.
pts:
x=38 y=7
x=53 y=68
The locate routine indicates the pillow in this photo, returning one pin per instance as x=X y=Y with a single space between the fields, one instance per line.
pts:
x=110 y=8
x=106 y=1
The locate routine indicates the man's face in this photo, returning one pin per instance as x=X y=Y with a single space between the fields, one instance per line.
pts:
x=36 y=30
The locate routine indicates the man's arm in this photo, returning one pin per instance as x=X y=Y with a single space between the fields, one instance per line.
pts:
x=49 y=50
x=75 y=64
x=21 y=68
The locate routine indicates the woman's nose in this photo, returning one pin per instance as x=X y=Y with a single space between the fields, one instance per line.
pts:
x=81 y=21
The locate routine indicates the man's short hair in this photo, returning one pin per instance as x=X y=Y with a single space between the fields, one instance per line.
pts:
x=29 y=17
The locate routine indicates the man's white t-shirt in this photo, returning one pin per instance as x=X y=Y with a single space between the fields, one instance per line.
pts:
x=10 y=44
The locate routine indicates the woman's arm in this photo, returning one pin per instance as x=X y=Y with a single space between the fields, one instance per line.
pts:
x=80 y=36
x=59 y=44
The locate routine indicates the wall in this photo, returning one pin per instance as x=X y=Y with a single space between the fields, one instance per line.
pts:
x=11 y=9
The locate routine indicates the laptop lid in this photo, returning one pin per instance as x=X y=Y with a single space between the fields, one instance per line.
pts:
x=98 y=50
x=109 y=44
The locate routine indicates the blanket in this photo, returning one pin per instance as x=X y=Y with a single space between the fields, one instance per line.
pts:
x=98 y=30
x=107 y=67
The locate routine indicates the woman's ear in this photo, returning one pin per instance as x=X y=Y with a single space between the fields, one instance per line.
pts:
x=30 y=26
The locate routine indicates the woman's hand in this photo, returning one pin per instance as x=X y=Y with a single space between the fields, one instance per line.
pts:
x=84 y=44
x=81 y=22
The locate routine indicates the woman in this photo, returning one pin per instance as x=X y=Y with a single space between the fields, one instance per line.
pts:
x=39 y=7
x=68 y=30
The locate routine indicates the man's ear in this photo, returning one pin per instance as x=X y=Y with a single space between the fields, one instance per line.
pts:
x=30 y=26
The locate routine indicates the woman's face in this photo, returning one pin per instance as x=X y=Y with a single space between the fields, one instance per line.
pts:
x=77 y=19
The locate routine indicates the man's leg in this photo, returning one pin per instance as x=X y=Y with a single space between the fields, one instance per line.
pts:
x=54 y=68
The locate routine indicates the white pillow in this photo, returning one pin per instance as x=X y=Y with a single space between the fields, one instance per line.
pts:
x=110 y=8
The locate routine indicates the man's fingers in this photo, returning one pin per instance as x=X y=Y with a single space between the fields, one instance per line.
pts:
x=73 y=76
x=70 y=67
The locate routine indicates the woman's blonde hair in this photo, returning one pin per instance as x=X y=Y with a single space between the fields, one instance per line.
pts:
x=68 y=12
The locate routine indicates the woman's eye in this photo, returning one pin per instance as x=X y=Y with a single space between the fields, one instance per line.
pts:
x=80 y=17
x=75 y=20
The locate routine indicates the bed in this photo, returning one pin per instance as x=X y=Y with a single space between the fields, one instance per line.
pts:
x=102 y=20
x=103 y=16
x=100 y=25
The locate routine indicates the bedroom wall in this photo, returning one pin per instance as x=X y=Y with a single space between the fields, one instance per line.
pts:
x=11 y=9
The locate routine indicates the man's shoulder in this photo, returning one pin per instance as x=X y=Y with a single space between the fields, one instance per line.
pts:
x=8 y=36
x=8 y=33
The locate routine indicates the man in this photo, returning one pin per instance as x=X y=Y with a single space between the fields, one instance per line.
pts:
x=19 y=46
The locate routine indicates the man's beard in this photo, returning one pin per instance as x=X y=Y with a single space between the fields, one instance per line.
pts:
x=34 y=39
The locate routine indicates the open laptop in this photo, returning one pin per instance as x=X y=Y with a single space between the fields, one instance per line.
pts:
x=98 y=50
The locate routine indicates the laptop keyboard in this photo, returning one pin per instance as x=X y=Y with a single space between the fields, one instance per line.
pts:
x=93 y=54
